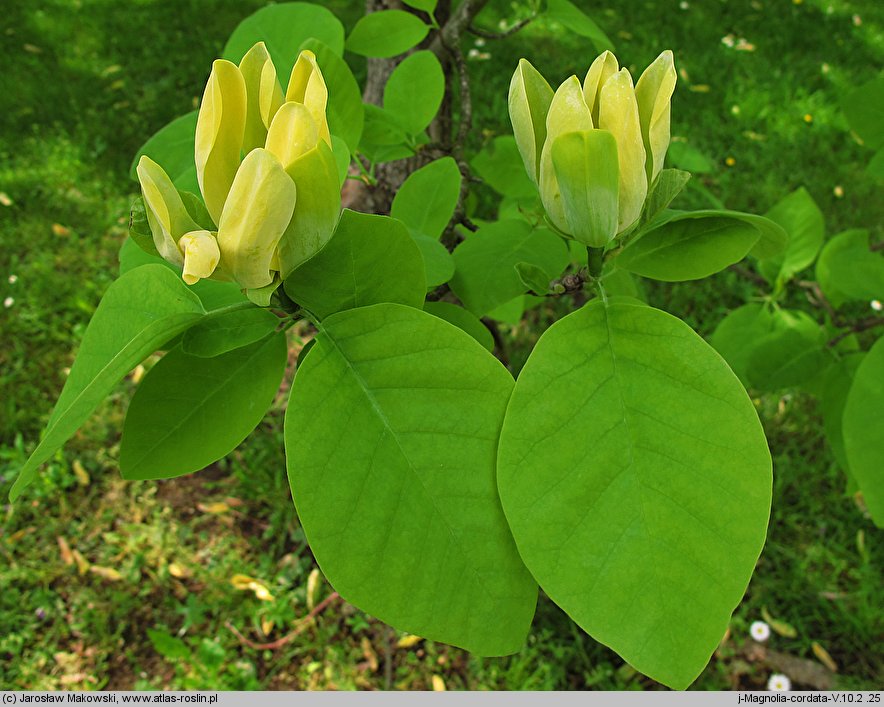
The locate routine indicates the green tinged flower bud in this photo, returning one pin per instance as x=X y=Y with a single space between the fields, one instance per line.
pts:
x=593 y=150
x=529 y=100
x=166 y=215
x=654 y=94
x=568 y=113
x=220 y=128
x=618 y=113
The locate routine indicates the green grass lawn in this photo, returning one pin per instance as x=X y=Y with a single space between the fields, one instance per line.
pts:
x=89 y=563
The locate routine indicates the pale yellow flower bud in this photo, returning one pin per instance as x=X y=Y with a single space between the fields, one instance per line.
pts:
x=220 y=129
x=263 y=95
x=529 y=100
x=257 y=212
x=201 y=255
x=166 y=214
x=307 y=86
x=618 y=114
x=568 y=113
x=654 y=94
x=292 y=133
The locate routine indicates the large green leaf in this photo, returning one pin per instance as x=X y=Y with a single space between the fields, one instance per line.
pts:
x=369 y=259
x=391 y=435
x=864 y=108
x=414 y=91
x=172 y=148
x=864 y=431
x=386 y=33
x=284 y=28
x=689 y=247
x=139 y=313
x=485 y=276
x=224 y=331
x=191 y=411
x=426 y=200
x=346 y=115
x=500 y=165
x=848 y=270
x=802 y=219
x=636 y=479
x=579 y=22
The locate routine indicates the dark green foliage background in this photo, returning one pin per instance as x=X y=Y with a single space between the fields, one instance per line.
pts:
x=84 y=84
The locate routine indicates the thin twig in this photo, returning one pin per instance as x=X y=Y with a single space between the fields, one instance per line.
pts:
x=861 y=325
x=289 y=637
x=486 y=34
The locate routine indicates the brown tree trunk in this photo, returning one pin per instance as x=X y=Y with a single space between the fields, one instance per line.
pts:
x=390 y=175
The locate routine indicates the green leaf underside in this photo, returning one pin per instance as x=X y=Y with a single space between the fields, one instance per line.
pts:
x=386 y=33
x=190 y=411
x=485 y=276
x=462 y=319
x=391 y=433
x=223 y=332
x=346 y=116
x=171 y=147
x=689 y=249
x=863 y=430
x=139 y=313
x=636 y=479
x=370 y=259
x=283 y=28
x=426 y=200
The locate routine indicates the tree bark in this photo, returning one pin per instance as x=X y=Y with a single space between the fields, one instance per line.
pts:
x=390 y=175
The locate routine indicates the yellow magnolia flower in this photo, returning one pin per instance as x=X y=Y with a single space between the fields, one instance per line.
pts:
x=593 y=149
x=266 y=171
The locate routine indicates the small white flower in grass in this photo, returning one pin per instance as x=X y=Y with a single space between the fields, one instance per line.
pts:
x=759 y=630
x=13 y=279
x=8 y=302
x=876 y=305
x=779 y=683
